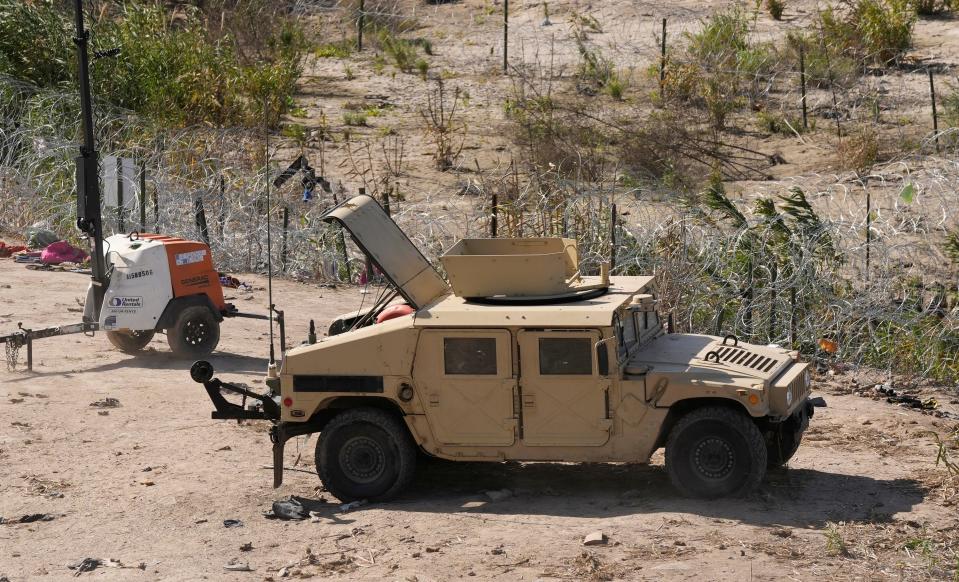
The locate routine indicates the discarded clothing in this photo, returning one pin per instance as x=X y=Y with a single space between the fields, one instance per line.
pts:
x=294 y=508
x=62 y=252
x=7 y=250
x=39 y=238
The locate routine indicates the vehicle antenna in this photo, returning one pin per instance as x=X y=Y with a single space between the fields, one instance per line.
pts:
x=269 y=241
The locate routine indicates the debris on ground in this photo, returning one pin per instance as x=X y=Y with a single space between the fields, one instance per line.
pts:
x=246 y=547
x=7 y=250
x=62 y=252
x=237 y=566
x=783 y=532
x=28 y=518
x=232 y=523
x=39 y=238
x=85 y=565
x=353 y=505
x=596 y=538
x=498 y=494
x=107 y=402
x=294 y=508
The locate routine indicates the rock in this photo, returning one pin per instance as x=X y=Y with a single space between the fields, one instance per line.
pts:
x=432 y=549
x=497 y=551
x=498 y=494
x=353 y=505
x=232 y=523
x=226 y=448
x=679 y=543
x=237 y=566
x=103 y=412
x=246 y=547
x=783 y=532
x=596 y=538
x=106 y=403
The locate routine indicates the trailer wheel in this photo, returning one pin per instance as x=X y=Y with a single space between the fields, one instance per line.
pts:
x=130 y=342
x=715 y=452
x=365 y=453
x=195 y=333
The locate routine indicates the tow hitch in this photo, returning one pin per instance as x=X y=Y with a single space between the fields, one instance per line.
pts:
x=267 y=409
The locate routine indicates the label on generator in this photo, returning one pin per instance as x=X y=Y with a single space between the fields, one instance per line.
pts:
x=190 y=257
x=126 y=302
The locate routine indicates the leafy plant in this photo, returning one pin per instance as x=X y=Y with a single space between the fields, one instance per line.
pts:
x=442 y=125
x=835 y=544
x=776 y=8
x=879 y=31
x=859 y=150
x=354 y=118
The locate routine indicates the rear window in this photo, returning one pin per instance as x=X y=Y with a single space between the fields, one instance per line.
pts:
x=472 y=356
x=565 y=356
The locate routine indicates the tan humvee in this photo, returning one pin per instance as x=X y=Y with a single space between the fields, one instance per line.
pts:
x=524 y=360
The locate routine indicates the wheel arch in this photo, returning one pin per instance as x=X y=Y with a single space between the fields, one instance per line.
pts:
x=178 y=304
x=332 y=407
x=682 y=407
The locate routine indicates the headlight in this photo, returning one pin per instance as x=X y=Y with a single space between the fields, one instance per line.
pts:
x=789 y=398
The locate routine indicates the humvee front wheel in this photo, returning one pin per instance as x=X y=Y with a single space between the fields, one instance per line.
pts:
x=714 y=452
x=365 y=453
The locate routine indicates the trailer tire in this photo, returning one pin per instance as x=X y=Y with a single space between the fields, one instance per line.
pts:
x=715 y=451
x=195 y=333
x=365 y=453
x=130 y=342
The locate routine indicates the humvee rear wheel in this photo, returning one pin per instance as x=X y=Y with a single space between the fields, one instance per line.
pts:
x=365 y=453
x=130 y=342
x=714 y=452
x=195 y=333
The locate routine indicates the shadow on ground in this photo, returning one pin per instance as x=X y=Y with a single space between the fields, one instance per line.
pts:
x=788 y=497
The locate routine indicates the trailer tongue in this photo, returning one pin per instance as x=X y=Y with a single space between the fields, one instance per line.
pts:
x=140 y=283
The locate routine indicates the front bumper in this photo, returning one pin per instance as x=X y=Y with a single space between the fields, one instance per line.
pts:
x=266 y=409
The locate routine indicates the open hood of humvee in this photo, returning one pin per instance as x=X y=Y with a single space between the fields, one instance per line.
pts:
x=389 y=249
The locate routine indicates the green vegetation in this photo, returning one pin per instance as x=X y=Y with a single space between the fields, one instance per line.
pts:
x=354 y=118
x=877 y=31
x=173 y=71
x=776 y=8
x=403 y=52
x=334 y=50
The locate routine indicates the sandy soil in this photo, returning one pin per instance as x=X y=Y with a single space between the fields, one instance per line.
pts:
x=150 y=483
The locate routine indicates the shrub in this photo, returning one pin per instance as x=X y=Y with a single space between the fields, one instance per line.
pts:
x=776 y=8
x=934 y=7
x=778 y=123
x=181 y=75
x=334 y=50
x=877 y=31
x=354 y=118
x=859 y=150
x=423 y=67
x=402 y=51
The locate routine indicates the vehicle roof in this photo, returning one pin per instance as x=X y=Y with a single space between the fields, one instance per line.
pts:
x=453 y=311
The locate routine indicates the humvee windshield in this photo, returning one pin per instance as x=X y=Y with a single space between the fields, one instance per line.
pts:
x=639 y=326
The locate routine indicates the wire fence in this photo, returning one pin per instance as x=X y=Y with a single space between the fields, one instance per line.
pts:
x=869 y=275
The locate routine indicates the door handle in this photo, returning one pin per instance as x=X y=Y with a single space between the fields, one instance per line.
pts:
x=529 y=400
x=434 y=399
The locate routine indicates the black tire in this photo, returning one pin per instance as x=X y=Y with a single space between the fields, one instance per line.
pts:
x=365 y=453
x=195 y=333
x=130 y=342
x=715 y=451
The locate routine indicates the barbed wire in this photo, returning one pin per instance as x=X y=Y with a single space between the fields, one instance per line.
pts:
x=893 y=310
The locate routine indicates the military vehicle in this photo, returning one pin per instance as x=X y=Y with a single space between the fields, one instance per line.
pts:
x=519 y=357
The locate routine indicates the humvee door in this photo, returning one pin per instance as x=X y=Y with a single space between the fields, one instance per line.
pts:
x=564 y=388
x=467 y=379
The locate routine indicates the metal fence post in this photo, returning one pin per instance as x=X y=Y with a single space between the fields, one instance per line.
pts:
x=505 y=36
x=802 y=84
x=662 y=61
x=935 y=116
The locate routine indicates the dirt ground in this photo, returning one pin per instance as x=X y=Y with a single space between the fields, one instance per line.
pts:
x=149 y=483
